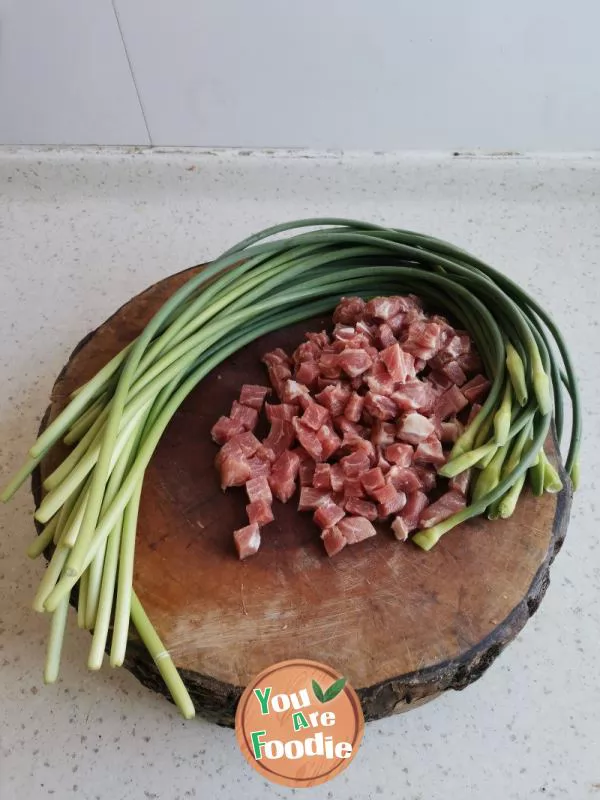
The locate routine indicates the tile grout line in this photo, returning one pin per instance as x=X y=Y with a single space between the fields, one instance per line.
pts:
x=135 y=85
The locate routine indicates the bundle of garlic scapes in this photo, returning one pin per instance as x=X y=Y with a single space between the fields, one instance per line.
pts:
x=114 y=422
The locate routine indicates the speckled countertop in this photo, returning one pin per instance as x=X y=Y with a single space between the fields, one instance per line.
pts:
x=81 y=232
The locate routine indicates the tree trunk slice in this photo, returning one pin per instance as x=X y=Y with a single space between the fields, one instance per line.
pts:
x=403 y=625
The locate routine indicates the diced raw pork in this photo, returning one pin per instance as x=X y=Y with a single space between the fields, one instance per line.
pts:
x=379 y=380
x=355 y=529
x=474 y=410
x=285 y=411
x=329 y=440
x=372 y=480
x=447 y=505
x=349 y=310
x=329 y=365
x=430 y=451
x=450 y=403
x=225 y=429
x=311 y=498
x=245 y=415
x=307 y=472
x=384 y=308
x=354 y=362
x=315 y=416
x=353 y=487
x=334 y=541
x=450 y=430
x=259 y=512
x=354 y=406
x=361 y=508
x=414 y=428
x=408 y=520
x=400 y=454
x=334 y=398
x=380 y=406
x=235 y=471
x=259 y=489
x=306 y=352
x=383 y=433
x=322 y=476
x=308 y=373
x=259 y=468
x=415 y=396
x=427 y=475
x=321 y=339
x=422 y=339
x=276 y=357
x=308 y=439
x=389 y=500
x=253 y=395
x=453 y=371
x=281 y=436
x=328 y=514
x=399 y=364
x=461 y=482
x=386 y=335
x=247 y=540
x=476 y=388
x=405 y=479
x=355 y=464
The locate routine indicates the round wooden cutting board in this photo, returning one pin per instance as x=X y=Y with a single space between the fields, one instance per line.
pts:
x=403 y=625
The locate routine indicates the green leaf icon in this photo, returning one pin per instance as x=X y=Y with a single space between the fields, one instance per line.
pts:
x=318 y=692
x=335 y=688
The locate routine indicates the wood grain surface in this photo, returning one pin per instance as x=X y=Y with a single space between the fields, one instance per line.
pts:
x=403 y=625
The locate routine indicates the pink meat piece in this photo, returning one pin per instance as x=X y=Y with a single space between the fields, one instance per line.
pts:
x=334 y=399
x=353 y=487
x=386 y=335
x=470 y=362
x=415 y=395
x=382 y=463
x=245 y=415
x=367 y=447
x=380 y=406
x=430 y=452
x=361 y=508
x=383 y=433
x=315 y=416
x=321 y=339
x=354 y=362
x=379 y=380
x=355 y=529
x=408 y=520
x=323 y=383
x=253 y=395
x=328 y=514
x=349 y=310
x=447 y=505
x=308 y=439
x=247 y=540
x=473 y=411
x=281 y=436
x=389 y=500
x=265 y=453
x=285 y=411
x=461 y=482
x=363 y=328
x=322 y=476
x=420 y=364
x=311 y=498
x=396 y=323
x=308 y=373
x=244 y=443
x=384 y=308
x=450 y=430
x=354 y=406
x=329 y=365
x=286 y=466
x=355 y=463
x=352 y=430
x=414 y=428
x=372 y=480
x=259 y=468
x=295 y=392
x=344 y=333
x=276 y=358
x=427 y=475
x=399 y=364
x=333 y=541
x=235 y=471
x=260 y=513
x=450 y=403
x=225 y=429
x=329 y=440
x=337 y=478
x=438 y=381
x=282 y=489
x=278 y=375
x=453 y=372
x=422 y=339
x=400 y=454
x=259 y=489
x=305 y=353
x=405 y=479
x=476 y=388
x=458 y=345
x=307 y=472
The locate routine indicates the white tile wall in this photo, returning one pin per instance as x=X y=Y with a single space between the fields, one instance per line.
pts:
x=64 y=75
x=385 y=74
x=350 y=74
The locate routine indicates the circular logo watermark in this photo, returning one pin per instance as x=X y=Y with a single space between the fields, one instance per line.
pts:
x=299 y=723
